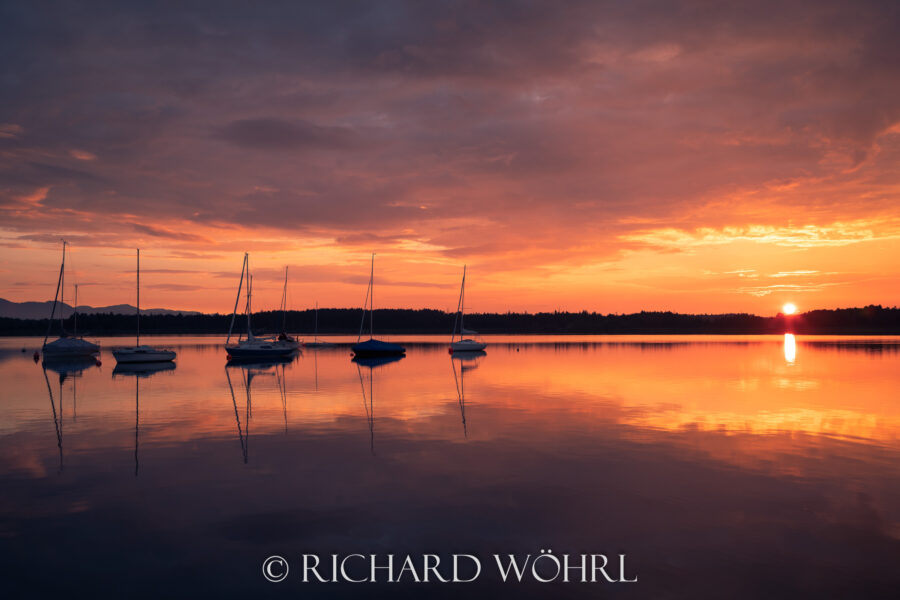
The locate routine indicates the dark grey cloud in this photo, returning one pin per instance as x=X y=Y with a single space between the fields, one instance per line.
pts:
x=162 y=233
x=350 y=117
x=30 y=173
x=281 y=134
x=167 y=271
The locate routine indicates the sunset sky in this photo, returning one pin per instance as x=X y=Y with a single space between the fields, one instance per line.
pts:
x=692 y=155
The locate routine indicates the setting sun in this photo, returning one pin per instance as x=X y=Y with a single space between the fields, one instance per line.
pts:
x=789 y=308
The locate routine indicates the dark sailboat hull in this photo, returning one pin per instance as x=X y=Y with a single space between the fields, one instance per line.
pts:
x=374 y=348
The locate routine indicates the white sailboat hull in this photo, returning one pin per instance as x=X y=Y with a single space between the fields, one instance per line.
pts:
x=142 y=354
x=319 y=345
x=289 y=342
x=260 y=349
x=467 y=346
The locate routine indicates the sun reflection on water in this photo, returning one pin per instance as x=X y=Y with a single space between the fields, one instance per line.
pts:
x=790 y=348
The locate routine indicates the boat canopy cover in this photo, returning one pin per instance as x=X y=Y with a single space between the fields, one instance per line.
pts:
x=70 y=345
x=373 y=346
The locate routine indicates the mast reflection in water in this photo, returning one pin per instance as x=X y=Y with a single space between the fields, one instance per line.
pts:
x=65 y=368
x=140 y=371
x=370 y=364
x=249 y=369
x=468 y=361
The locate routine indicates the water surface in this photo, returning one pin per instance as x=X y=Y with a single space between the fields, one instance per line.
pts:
x=722 y=466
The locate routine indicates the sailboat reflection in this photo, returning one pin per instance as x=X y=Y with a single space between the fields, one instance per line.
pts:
x=281 y=381
x=74 y=366
x=56 y=421
x=324 y=348
x=237 y=415
x=249 y=370
x=790 y=348
x=372 y=363
x=142 y=370
x=65 y=367
x=139 y=371
x=468 y=361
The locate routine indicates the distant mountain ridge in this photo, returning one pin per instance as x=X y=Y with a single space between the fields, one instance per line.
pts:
x=41 y=310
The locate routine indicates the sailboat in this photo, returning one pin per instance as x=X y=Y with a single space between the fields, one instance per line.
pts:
x=253 y=347
x=373 y=347
x=284 y=336
x=316 y=343
x=66 y=345
x=139 y=353
x=467 y=344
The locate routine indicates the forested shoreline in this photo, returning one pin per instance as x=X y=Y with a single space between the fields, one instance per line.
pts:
x=869 y=320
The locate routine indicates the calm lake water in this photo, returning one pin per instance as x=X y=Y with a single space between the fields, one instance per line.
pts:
x=726 y=467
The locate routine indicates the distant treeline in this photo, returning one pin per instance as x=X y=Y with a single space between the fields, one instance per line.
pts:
x=871 y=320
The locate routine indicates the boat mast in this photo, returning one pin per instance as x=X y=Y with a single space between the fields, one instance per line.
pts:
x=56 y=296
x=138 y=340
x=249 y=286
x=316 y=334
x=369 y=291
x=284 y=302
x=362 y=322
x=75 y=314
x=62 y=293
x=372 y=299
x=462 y=304
x=457 y=318
x=238 y=298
